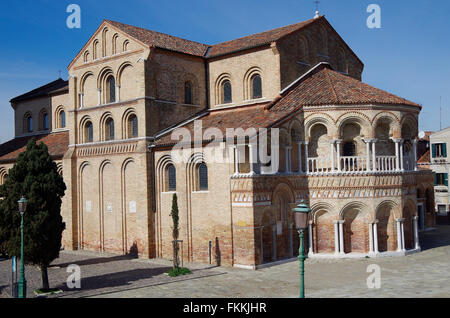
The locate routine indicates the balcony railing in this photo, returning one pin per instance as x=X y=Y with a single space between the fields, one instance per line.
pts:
x=357 y=165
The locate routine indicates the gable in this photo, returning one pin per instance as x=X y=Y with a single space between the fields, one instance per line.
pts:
x=107 y=41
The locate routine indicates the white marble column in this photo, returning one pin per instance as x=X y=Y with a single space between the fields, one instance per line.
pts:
x=371 y=245
x=307 y=156
x=416 y=233
x=236 y=160
x=341 y=237
x=288 y=152
x=402 y=162
x=333 y=159
x=99 y=96
x=252 y=152
x=336 y=237
x=368 y=167
x=338 y=151
x=399 y=235
x=375 y=237
x=81 y=100
x=374 y=155
x=403 y=234
x=117 y=93
x=311 y=240
x=397 y=154
x=300 y=163
x=415 y=141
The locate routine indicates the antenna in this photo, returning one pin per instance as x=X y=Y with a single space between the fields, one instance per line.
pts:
x=59 y=73
x=440 y=114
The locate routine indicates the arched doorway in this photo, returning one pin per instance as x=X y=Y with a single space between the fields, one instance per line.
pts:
x=324 y=232
x=268 y=238
x=408 y=225
x=356 y=228
x=387 y=233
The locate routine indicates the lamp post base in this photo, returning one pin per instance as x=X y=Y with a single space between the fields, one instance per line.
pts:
x=22 y=289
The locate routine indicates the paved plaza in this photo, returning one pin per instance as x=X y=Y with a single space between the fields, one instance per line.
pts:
x=424 y=274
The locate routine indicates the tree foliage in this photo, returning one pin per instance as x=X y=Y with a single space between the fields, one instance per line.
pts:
x=34 y=176
x=175 y=231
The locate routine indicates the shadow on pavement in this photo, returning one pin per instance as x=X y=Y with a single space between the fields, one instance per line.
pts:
x=436 y=238
x=125 y=278
x=95 y=261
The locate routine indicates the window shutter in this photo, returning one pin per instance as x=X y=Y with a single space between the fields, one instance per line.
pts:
x=203 y=176
x=446 y=179
x=444 y=150
x=434 y=150
x=435 y=179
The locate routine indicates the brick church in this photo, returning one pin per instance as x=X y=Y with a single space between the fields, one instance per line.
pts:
x=347 y=148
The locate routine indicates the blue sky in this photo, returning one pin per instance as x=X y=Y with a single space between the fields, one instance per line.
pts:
x=409 y=56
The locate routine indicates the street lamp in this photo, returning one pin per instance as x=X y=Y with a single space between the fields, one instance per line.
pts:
x=301 y=222
x=22 y=281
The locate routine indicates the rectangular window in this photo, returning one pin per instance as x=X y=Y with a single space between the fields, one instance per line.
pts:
x=441 y=179
x=439 y=150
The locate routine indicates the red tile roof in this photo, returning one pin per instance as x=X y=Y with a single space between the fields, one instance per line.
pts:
x=256 y=40
x=426 y=158
x=42 y=91
x=57 y=144
x=323 y=86
x=169 y=42
x=161 y=40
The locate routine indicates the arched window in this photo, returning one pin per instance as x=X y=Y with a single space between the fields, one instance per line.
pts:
x=349 y=149
x=110 y=89
x=171 y=178
x=202 y=177
x=132 y=126
x=95 y=49
x=86 y=56
x=62 y=119
x=88 y=132
x=114 y=43
x=45 y=124
x=126 y=45
x=256 y=86
x=28 y=123
x=188 y=93
x=226 y=92
x=109 y=129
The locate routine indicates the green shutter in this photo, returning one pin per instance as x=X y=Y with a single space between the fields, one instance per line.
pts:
x=433 y=150
x=446 y=179
x=435 y=179
x=444 y=150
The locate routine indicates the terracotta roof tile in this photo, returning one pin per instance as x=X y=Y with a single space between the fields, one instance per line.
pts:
x=169 y=42
x=322 y=86
x=57 y=144
x=426 y=158
x=42 y=91
x=327 y=87
x=161 y=40
x=256 y=40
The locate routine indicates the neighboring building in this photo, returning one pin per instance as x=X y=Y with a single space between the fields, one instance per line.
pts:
x=347 y=148
x=440 y=164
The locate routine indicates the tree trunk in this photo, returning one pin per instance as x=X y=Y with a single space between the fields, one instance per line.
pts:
x=44 y=274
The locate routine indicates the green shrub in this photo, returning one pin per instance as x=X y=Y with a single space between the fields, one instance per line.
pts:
x=174 y=272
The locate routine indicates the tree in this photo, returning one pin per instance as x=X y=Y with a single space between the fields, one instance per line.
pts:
x=175 y=231
x=34 y=176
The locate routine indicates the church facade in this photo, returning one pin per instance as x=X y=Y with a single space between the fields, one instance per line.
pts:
x=346 y=148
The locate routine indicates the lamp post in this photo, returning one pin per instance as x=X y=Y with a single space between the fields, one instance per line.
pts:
x=301 y=222
x=22 y=281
